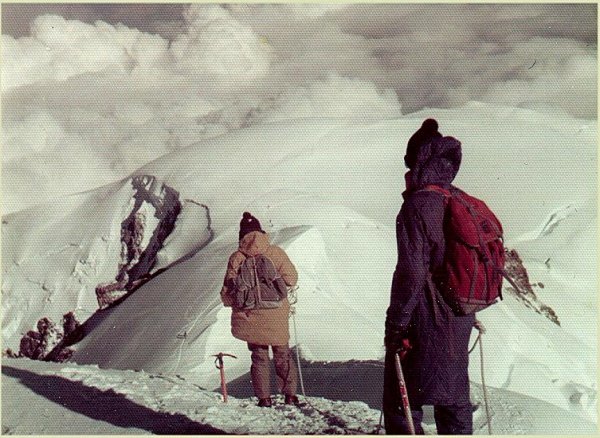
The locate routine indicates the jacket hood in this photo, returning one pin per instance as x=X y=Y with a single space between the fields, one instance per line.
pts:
x=255 y=242
x=437 y=162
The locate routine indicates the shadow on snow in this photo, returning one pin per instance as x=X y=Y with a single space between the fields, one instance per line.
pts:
x=344 y=381
x=108 y=406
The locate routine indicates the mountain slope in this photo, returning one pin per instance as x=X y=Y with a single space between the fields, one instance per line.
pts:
x=328 y=192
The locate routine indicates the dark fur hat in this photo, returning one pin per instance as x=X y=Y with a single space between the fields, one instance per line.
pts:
x=427 y=132
x=248 y=224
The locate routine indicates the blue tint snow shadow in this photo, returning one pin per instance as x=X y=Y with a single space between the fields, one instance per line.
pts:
x=108 y=406
x=353 y=380
x=344 y=381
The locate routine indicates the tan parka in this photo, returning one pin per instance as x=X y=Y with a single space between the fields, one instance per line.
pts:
x=260 y=326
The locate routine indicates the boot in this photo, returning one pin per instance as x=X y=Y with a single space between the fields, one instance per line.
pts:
x=292 y=400
x=265 y=402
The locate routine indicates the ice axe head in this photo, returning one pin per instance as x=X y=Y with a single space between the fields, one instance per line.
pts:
x=219 y=359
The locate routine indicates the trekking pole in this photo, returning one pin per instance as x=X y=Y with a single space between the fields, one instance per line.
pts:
x=479 y=326
x=298 y=356
x=293 y=298
x=219 y=364
x=404 y=394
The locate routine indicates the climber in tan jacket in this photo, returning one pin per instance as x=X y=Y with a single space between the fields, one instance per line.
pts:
x=262 y=328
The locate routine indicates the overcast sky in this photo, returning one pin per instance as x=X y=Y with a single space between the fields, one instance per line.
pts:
x=114 y=86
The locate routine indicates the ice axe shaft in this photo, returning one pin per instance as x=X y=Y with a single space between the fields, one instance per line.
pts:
x=404 y=394
x=220 y=365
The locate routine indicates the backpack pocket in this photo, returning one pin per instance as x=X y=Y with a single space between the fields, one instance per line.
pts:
x=271 y=289
x=258 y=285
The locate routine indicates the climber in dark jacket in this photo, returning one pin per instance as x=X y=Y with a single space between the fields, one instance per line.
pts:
x=432 y=340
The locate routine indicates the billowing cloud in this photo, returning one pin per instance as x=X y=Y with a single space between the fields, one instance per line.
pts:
x=218 y=45
x=560 y=82
x=336 y=97
x=114 y=86
x=59 y=49
x=442 y=55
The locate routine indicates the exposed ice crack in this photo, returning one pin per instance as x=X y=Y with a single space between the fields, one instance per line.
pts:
x=62 y=249
x=556 y=218
x=143 y=233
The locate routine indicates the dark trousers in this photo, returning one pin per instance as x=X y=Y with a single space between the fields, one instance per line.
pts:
x=450 y=420
x=260 y=371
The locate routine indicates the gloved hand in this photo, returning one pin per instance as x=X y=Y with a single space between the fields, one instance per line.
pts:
x=404 y=349
x=479 y=326
x=397 y=341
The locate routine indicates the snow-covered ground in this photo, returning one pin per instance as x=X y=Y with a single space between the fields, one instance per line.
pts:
x=320 y=163
x=59 y=399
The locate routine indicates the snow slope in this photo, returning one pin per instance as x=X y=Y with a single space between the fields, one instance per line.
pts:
x=328 y=192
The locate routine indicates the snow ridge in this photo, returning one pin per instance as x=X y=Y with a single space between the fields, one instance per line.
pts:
x=109 y=241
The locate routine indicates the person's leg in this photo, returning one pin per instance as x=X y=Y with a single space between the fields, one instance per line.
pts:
x=454 y=420
x=287 y=375
x=259 y=371
x=395 y=422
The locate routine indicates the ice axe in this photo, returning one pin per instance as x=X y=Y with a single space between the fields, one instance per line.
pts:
x=221 y=367
x=404 y=394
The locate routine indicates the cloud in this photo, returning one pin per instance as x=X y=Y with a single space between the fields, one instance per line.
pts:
x=218 y=45
x=435 y=55
x=561 y=82
x=164 y=19
x=336 y=97
x=41 y=159
x=314 y=10
x=59 y=49
x=119 y=85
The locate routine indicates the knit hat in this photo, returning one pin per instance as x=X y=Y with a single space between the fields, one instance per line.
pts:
x=427 y=132
x=248 y=224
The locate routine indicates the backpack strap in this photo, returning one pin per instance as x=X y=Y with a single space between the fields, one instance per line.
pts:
x=435 y=188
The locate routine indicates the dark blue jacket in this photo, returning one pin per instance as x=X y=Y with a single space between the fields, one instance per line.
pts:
x=436 y=369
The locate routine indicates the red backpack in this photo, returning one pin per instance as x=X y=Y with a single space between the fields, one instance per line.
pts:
x=471 y=278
